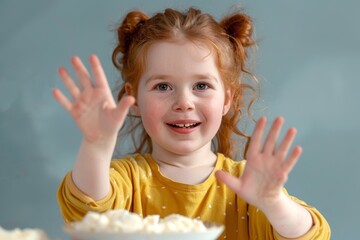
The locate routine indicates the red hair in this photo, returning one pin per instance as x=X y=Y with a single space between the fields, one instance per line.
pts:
x=227 y=39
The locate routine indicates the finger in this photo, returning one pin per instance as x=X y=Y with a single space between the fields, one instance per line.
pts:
x=256 y=138
x=98 y=71
x=290 y=162
x=232 y=182
x=69 y=83
x=62 y=99
x=270 y=143
x=81 y=72
x=283 y=149
x=123 y=107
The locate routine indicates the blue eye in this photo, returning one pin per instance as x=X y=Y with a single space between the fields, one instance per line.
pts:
x=162 y=87
x=201 y=86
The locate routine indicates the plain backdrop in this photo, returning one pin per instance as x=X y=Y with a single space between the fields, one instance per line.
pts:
x=307 y=61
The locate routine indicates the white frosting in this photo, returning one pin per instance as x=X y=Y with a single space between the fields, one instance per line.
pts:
x=124 y=221
x=23 y=234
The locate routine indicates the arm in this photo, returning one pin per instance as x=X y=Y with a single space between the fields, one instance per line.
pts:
x=99 y=118
x=288 y=218
x=264 y=177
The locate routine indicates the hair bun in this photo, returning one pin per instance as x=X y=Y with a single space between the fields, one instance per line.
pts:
x=240 y=27
x=129 y=26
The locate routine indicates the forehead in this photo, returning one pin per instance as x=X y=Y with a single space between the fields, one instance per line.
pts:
x=182 y=55
x=180 y=47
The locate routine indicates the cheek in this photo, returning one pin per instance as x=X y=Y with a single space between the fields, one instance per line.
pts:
x=214 y=110
x=150 y=115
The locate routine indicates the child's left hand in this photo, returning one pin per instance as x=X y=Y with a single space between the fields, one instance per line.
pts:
x=267 y=166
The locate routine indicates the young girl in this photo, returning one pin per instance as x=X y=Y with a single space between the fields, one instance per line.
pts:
x=183 y=78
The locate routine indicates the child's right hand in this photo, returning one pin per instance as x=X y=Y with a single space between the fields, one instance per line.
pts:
x=93 y=107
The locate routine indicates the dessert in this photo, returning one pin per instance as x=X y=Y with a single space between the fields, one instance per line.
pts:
x=23 y=234
x=123 y=221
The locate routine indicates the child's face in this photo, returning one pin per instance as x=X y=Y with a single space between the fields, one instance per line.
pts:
x=181 y=97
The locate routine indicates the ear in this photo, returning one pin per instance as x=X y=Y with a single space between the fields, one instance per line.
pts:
x=227 y=102
x=130 y=92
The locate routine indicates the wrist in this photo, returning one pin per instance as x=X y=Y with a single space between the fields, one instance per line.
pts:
x=100 y=144
x=100 y=140
x=275 y=204
x=97 y=152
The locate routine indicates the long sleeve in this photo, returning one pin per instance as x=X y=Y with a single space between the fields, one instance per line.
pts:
x=74 y=204
x=126 y=177
x=260 y=228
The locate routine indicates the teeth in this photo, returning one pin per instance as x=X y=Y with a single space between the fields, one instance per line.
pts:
x=187 y=125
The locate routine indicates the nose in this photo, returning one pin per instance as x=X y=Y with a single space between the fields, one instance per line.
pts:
x=183 y=102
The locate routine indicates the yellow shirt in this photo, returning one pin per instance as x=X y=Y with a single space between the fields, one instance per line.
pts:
x=138 y=186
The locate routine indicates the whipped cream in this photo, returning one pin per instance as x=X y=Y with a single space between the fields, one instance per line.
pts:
x=23 y=234
x=126 y=222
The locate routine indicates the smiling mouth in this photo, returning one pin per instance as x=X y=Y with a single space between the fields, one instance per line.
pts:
x=186 y=125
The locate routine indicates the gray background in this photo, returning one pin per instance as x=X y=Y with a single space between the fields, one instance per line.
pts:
x=308 y=63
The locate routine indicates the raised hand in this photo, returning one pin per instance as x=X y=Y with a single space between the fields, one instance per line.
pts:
x=92 y=106
x=267 y=167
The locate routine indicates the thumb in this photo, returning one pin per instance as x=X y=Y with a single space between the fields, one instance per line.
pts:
x=123 y=107
x=232 y=182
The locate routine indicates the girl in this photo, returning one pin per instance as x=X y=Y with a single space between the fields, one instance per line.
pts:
x=183 y=78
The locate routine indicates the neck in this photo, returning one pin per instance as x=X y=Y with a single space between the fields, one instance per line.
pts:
x=193 y=168
x=199 y=158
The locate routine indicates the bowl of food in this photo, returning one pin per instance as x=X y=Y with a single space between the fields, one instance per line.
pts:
x=124 y=225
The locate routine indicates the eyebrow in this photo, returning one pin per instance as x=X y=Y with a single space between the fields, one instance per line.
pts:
x=195 y=76
x=157 y=76
x=206 y=76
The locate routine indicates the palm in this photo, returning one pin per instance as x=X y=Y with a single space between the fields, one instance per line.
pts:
x=93 y=107
x=267 y=166
x=93 y=112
